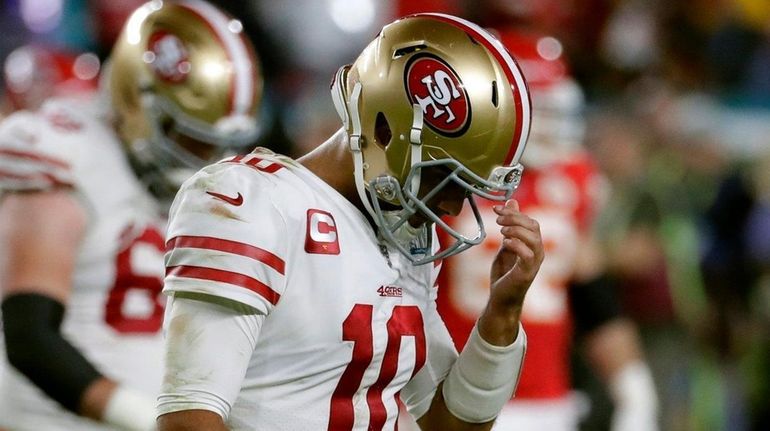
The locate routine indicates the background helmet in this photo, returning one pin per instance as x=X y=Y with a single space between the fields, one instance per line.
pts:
x=432 y=90
x=35 y=72
x=558 y=102
x=185 y=86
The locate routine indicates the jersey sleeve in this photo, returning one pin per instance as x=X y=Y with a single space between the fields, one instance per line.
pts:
x=207 y=374
x=33 y=154
x=226 y=238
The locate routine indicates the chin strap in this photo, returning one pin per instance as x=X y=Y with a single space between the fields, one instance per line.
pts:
x=351 y=119
x=355 y=147
x=338 y=96
x=348 y=112
x=415 y=137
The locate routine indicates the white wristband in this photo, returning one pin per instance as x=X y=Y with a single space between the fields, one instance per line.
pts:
x=130 y=411
x=483 y=378
x=636 y=404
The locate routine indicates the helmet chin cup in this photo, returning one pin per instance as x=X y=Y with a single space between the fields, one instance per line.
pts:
x=386 y=188
x=507 y=176
x=417 y=243
x=392 y=224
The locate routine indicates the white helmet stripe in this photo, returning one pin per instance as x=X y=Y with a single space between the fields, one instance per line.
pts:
x=513 y=73
x=242 y=93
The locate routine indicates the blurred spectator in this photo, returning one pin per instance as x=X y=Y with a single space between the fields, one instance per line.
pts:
x=734 y=264
x=629 y=230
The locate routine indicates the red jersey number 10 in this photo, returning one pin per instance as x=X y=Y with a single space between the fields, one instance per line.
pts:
x=405 y=321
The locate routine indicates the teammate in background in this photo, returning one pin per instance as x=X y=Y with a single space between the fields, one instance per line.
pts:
x=81 y=239
x=571 y=294
x=303 y=292
x=33 y=73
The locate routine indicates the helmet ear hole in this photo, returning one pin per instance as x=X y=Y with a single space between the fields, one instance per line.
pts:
x=382 y=133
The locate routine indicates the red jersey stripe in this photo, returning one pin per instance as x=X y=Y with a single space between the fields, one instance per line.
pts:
x=239 y=248
x=270 y=168
x=228 y=277
x=56 y=181
x=31 y=178
x=252 y=161
x=16 y=176
x=36 y=157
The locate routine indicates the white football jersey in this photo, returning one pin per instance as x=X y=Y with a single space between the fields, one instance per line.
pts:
x=114 y=314
x=351 y=325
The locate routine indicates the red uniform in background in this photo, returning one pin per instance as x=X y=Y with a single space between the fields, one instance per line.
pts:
x=562 y=198
x=560 y=188
x=409 y=7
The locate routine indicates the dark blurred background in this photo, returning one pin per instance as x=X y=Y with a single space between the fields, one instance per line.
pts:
x=678 y=108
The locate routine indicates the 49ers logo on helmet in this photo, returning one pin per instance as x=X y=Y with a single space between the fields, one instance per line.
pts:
x=167 y=56
x=431 y=83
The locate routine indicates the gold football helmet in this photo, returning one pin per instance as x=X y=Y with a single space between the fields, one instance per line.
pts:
x=432 y=91
x=185 y=86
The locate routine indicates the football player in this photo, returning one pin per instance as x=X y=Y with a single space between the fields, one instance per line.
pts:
x=563 y=190
x=81 y=238
x=303 y=292
x=32 y=73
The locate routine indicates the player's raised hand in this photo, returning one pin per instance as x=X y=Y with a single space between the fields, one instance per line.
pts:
x=519 y=257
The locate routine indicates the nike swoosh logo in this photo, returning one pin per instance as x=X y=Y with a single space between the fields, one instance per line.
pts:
x=237 y=201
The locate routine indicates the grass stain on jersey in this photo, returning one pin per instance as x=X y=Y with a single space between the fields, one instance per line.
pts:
x=222 y=211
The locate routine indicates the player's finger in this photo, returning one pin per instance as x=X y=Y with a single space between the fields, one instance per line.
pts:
x=510 y=205
x=528 y=261
x=516 y=218
x=528 y=236
x=533 y=242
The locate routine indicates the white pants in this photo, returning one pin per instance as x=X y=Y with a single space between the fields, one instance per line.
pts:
x=562 y=414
